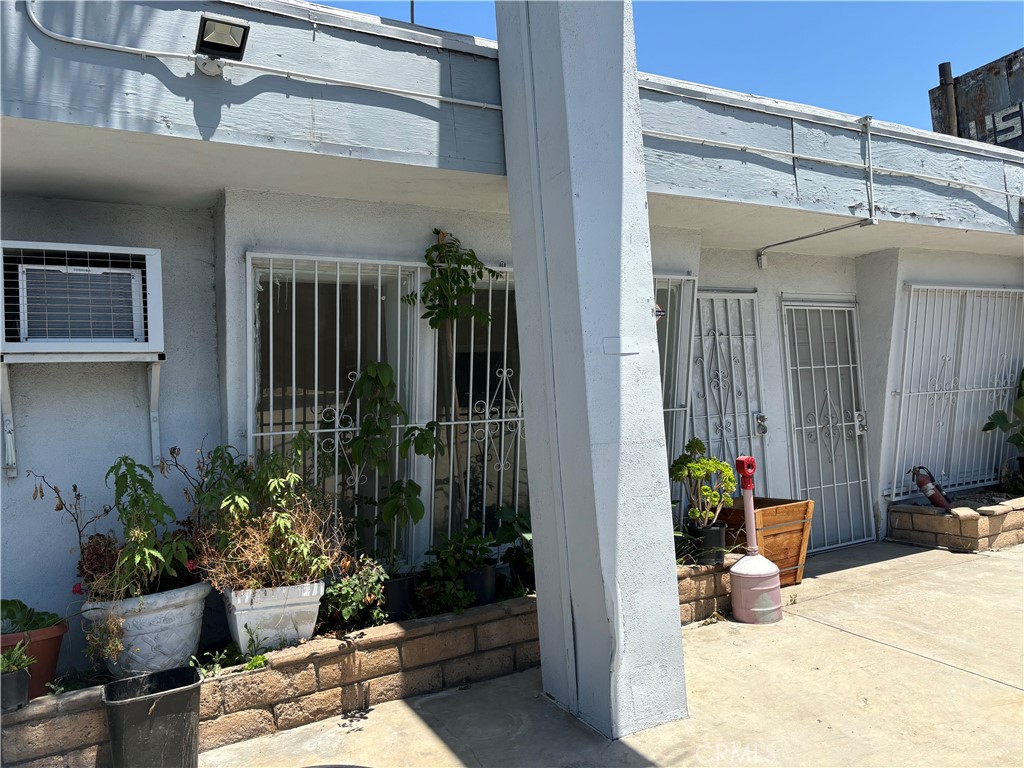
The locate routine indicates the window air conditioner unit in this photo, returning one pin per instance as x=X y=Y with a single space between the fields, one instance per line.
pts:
x=74 y=300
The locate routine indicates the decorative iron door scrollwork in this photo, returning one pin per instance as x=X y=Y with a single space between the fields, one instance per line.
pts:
x=829 y=462
x=726 y=400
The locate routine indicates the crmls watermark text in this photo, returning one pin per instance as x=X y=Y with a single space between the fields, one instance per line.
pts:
x=736 y=753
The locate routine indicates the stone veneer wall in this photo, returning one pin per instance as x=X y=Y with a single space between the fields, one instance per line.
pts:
x=966 y=530
x=328 y=677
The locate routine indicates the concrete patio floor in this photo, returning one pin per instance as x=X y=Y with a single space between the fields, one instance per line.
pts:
x=888 y=655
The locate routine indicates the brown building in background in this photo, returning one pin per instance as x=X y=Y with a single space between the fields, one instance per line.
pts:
x=985 y=104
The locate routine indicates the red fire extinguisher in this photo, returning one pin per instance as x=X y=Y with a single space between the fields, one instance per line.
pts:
x=926 y=482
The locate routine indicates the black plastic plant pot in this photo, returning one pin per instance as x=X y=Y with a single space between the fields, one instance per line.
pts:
x=14 y=690
x=482 y=582
x=708 y=544
x=399 y=594
x=523 y=575
x=153 y=719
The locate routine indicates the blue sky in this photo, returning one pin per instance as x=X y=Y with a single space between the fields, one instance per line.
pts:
x=878 y=58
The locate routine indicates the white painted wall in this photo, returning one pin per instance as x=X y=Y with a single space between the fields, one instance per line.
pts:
x=48 y=80
x=56 y=81
x=675 y=252
x=73 y=419
x=877 y=289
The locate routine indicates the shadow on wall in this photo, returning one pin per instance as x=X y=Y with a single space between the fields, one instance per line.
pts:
x=108 y=94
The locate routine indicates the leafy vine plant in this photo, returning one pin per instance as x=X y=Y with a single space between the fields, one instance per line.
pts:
x=447 y=296
x=372 y=445
x=454 y=272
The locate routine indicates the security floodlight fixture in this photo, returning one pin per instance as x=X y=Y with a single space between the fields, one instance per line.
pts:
x=220 y=37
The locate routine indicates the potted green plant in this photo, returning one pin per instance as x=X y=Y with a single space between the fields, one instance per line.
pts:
x=1012 y=423
x=14 y=676
x=709 y=483
x=215 y=474
x=354 y=598
x=461 y=573
x=270 y=547
x=514 y=534
x=144 y=602
x=372 y=448
x=41 y=631
x=478 y=560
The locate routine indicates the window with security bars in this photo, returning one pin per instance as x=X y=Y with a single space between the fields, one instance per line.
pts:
x=318 y=321
x=675 y=302
x=76 y=299
x=479 y=406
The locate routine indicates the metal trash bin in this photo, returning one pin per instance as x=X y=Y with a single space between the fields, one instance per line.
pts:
x=153 y=719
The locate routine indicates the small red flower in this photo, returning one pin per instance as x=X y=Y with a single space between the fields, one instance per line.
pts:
x=191 y=565
x=78 y=589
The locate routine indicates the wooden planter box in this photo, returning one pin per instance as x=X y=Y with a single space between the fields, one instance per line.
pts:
x=783 y=530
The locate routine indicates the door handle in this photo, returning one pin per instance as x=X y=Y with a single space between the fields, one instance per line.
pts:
x=760 y=424
x=860 y=423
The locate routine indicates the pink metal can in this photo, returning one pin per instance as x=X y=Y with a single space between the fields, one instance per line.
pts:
x=756 y=595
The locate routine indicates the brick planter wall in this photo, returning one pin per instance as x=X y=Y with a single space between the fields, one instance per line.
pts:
x=328 y=677
x=704 y=589
x=309 y=682
x=965 y=530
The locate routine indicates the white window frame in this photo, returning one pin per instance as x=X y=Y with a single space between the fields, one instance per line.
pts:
x=420 y=469
x=94 y=350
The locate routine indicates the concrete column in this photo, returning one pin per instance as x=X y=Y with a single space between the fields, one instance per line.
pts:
x=611 y=647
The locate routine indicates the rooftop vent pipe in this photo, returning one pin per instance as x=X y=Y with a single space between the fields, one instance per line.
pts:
x=949 y=125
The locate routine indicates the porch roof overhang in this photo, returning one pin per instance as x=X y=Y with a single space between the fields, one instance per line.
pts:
x=63 y=160
x=746 y=171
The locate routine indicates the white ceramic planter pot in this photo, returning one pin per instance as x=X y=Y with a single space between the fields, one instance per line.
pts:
x=275 y=617
x=161 y=631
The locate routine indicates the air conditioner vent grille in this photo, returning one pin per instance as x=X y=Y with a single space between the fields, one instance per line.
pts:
x=80 y=300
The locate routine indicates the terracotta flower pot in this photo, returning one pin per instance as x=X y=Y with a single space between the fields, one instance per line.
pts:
x=44 y=646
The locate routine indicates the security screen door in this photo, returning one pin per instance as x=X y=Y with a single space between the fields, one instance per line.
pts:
x=726 y=401
x=827 y=420
x=962 y=354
